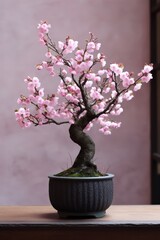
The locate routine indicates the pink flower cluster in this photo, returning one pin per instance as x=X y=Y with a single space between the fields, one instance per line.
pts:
x=43 y=107
x=82 y=89
x=69 y=46
x=43 y=28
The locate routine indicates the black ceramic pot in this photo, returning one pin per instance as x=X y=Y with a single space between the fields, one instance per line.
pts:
x=81 y=196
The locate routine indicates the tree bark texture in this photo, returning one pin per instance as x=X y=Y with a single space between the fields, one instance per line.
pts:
x=87 y=151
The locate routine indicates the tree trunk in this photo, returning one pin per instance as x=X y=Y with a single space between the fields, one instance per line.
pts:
x=87 y=151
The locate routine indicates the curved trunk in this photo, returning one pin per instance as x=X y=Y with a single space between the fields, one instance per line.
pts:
x=87 y=151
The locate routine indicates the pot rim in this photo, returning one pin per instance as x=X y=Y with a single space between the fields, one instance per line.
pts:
x=107 y=175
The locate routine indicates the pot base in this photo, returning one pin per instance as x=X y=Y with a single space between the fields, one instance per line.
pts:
x=99 y=214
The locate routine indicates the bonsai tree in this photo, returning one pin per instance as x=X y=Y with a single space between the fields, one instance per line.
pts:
x=88 y=93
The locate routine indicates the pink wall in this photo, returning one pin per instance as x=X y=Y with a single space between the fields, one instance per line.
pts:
x=29 y=156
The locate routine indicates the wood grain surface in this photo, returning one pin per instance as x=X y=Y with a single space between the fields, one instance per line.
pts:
x=133 y=222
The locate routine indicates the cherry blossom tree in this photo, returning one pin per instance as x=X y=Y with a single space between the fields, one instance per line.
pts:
x=88 y=93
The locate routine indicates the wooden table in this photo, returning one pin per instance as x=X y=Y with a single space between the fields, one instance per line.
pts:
x=42 y=223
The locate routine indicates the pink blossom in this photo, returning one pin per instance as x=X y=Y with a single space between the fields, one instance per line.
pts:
x=31 y=87
x=91 y=47
x=59 y=62
x=95 y=94
x=24 y=101
x=105 y=131
x=101 y=72
x=116 y=68
x=19 y=101
x=54 y=59
x=113 y=94
x=109 y=74
x=99 y=55
x=117 y=106
x=36 y=82
x=68 y=80
x=43 y=27
x=89 y=64
x=103 y=62
x=106 y=90
x=48 y=54
x=44 y=64
x=27 y=124
x=73 y=44
x=97 y=79
x=61 y=91
x=73 y=89
x=64 y=73
x=50 y=109
x=78 y=58
x=61 y=45
x=90 y=76
x=147 y=68
x=21 y=112
x=119 y=111
x=145 y=74
x=116 y=124
x=146 y=78
x=83 y=66
x=101 y=106
x=120 y=99
x=88 y=84
x=79 y=52
x=126 y=79
x=39 y=100
x=42 y=39
x=102 y=120
x=88 y=56
x=98 y=46
x=127 y=82
x=107 y=124
x=32 y=98
x=137 y=86
x=70 y=46
x=128 y=95
x=41 y=92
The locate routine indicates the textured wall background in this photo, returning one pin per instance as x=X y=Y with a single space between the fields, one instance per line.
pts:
x=27 y=157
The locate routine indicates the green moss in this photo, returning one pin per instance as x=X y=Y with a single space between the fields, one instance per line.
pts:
x=80 y=172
